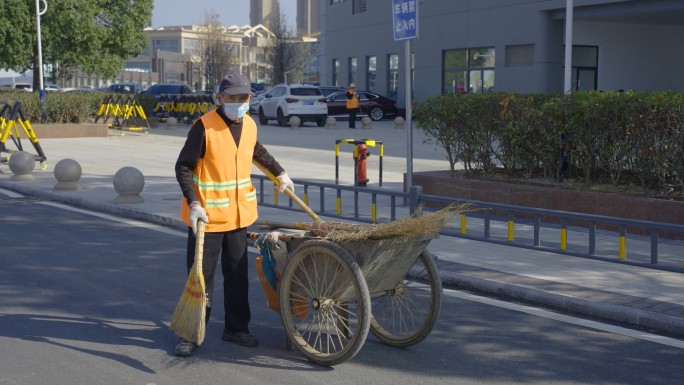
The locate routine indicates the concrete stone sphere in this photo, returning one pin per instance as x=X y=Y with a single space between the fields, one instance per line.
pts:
x=295 y=122
x=399 y=122
x=68 y=174
x=129 y=181
x=22 y=164
x=67 y=170
x=331 y=122
x=366 y=122
x=171 y=121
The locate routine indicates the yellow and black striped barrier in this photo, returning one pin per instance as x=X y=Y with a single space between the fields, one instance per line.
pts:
x=12 y=119
x=126 y=113
x=186 y=108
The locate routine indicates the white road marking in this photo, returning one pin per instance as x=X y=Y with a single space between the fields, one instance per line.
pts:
x=568 y=319
x=10 y=194
x=131 y=222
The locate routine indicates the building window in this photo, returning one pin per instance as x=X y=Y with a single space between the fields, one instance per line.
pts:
x=191 y=47
x=336 y=72
x=584 y=68
x=468 y=70
x=166 y=45
x=393 y=76
x=371 y=69
x=352 y=70
x=358 y=6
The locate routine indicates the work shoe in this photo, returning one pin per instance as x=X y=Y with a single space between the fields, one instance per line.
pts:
x=242 y=339
x=185 y=348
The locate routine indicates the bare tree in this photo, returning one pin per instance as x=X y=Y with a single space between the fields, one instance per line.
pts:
x=218 y=55
x=287 y=55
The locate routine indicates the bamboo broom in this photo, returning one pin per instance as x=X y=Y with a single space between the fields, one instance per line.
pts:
x=188 y=320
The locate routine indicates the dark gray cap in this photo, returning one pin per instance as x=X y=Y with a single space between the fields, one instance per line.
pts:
x=235 y=84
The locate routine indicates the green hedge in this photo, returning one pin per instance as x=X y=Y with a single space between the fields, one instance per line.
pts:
x=67 y=107
x=60 y=107
x=596 y=137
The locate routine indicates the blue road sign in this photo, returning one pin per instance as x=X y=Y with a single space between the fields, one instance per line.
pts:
x=405 y=15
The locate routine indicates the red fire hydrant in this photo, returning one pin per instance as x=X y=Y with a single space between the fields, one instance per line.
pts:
x=361 y=165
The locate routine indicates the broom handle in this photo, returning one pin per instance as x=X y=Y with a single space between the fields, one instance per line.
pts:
x=199 y=244
x=288 y=192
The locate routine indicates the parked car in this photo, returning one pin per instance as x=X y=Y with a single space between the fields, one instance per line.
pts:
x=328 y=90
x=259 y=87
x=256 y=99
x=125 y=88
x=371 y=104
x=287 y=100
x=168 y=89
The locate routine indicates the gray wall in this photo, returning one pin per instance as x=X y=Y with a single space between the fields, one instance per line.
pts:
x=631 y=56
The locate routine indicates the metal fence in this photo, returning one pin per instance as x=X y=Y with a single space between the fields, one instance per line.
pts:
x=574 y=234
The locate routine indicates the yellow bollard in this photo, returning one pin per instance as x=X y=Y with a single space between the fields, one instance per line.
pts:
x=623 y=247
x=563 y=238
x=511 y=231
x=463 y=224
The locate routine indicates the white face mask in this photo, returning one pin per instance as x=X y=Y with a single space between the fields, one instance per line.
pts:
x=236 y=110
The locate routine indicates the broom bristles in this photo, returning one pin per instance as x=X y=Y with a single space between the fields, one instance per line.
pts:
x=188 y=319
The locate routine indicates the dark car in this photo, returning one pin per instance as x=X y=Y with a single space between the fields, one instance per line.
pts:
x=168 y=89
x=329 y=90
x=371 y=104
x=125 y=88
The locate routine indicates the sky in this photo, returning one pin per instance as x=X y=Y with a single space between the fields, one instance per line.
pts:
x=232 y=12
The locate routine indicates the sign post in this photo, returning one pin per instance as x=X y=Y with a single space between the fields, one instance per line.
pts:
x=405 y=25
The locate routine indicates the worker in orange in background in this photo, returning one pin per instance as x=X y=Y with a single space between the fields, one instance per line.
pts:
x=352 y=104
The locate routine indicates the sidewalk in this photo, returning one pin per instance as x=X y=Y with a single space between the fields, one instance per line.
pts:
x=636 y=296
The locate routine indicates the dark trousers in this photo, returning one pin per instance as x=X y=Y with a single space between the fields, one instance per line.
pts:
x=352 y=118
x=232 y=247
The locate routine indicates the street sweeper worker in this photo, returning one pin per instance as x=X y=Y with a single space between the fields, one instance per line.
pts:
x=213 y=170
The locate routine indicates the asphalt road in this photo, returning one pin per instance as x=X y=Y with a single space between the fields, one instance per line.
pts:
x=87 y=299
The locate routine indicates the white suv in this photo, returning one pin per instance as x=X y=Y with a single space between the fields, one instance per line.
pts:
x=287 y=100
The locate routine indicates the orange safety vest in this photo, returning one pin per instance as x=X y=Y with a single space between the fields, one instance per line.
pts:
x=222 y=178
x=353 y=102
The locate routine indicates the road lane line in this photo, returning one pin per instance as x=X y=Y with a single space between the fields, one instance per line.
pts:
x=10 y=194
x=132 y=222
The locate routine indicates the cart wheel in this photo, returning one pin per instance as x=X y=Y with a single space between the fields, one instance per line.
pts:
x=324 y=303
x=405 y=315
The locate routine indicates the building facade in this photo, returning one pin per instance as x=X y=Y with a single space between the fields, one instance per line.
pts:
x=504 y=45
x=173 y=54
x=308 y=18
x=264 y=12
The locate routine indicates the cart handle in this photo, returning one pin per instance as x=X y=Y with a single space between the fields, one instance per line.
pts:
x=287 y=192
x=254 y=235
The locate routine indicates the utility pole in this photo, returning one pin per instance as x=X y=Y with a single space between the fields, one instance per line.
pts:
x=43 y=115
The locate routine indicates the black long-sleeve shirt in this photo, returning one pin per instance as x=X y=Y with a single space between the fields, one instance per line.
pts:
x=195 y=147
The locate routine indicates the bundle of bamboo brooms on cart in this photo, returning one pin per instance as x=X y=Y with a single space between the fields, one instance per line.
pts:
x=188 y=320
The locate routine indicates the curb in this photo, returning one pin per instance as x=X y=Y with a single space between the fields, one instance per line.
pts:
x=599 y=310
x=113 y=209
